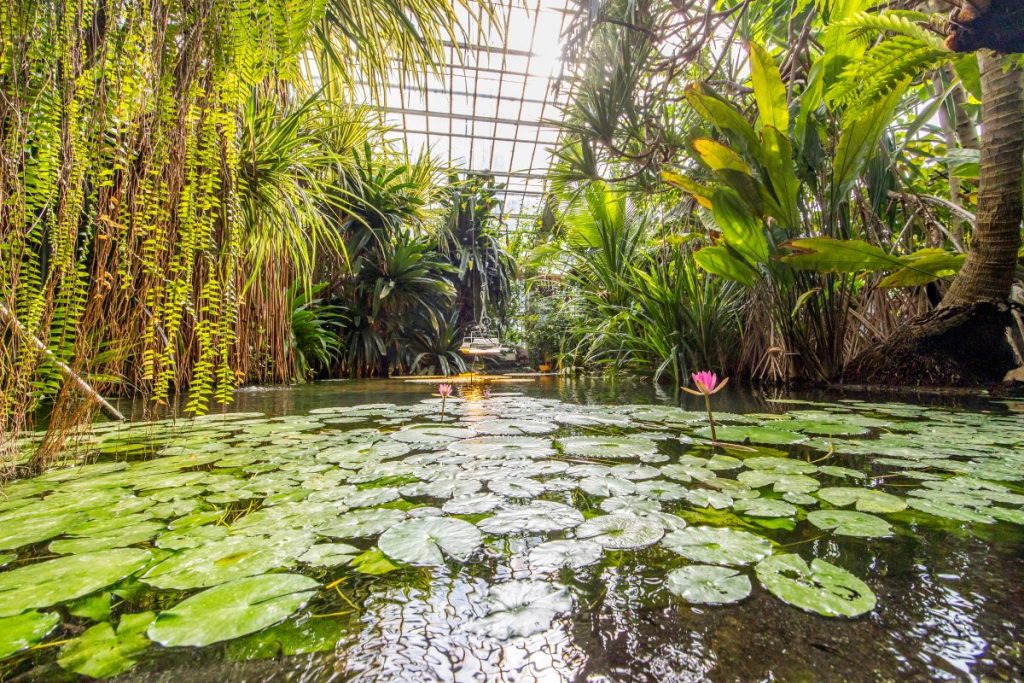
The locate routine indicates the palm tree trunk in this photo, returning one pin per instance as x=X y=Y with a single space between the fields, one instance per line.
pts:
x=987 y=275
x=963 y=341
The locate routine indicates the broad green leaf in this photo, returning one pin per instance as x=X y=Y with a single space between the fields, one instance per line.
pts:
x=725 y=117
x=858 y=142
x=66 y=578
x=699 y=192
x=769 y=90
x=521 y=608
x=100 y=652
x=720 y=261
x=828 y=255
x=924 y=266
x=714 y=545
x=427 y=540
x=777 y=155
x=25 y=630
x=232 y=609
x=719 y=157
x=850 y=523
x=741 y=230
x=708 y=585
x=820 y=587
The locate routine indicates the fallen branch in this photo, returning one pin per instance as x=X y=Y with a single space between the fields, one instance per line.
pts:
x=65 y=370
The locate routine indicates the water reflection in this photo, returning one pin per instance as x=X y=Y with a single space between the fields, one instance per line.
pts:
x=419 y=634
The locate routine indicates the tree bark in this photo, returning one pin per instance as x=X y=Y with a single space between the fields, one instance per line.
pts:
x=963 y=341
x=987 y=275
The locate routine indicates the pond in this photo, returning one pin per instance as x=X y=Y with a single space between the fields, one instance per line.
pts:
x=545 y=530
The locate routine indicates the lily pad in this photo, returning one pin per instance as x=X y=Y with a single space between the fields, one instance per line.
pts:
x=232 y=609
x=753 y=434
x=25 y=630
x=708 y=584
x=714 y=545
x=820 y=587
x=504 y=446
x=100 y=652
x=607 y=447
x=850 y=523
x=66 y=578
x=538 y=516
x=363 y=522
x=866 y=500
x=232 y=558
x=764 y=507
x=621 y=531
x=569 y=553
x=329 y=554
x=521 y=608
x=425 y=541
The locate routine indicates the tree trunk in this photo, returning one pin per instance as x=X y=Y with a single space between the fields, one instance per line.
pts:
x=987 y=275
x=963 y=341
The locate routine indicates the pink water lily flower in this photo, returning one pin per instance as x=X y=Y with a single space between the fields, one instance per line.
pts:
x=706 y=383
x=445 y=390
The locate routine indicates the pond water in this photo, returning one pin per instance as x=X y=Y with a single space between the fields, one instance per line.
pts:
x=546 y=530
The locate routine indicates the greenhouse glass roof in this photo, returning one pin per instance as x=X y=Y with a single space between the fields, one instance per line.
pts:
x=494 y=105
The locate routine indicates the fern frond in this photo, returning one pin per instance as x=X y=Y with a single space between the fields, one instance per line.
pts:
x=898 y=22
x=887 y=64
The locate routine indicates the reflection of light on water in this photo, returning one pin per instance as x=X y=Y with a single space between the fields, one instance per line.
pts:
x=948 y=630
x=419 y=635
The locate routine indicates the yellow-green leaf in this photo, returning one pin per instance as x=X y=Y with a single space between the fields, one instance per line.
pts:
x=769 y=90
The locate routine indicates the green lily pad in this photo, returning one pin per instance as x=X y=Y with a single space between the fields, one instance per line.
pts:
x=232 y=558
x=570 y=553
x=607 y=447
x=538 y=516
x=621 y=531
x=867 y=500
x=473 y=504
x=714 y=545
x=607 y=486
x=66 y=578
x=100 y=652
x=764 y=507
x=427 y=540
x=820 y=587
x=363 y=522
x=232 y=609
x=521 y=608
x=373 y=562
x=708 y=584
x=431 y=435
x=850 y=523
x=329 y=554
x=25 y=630
x=18 y=530
x=946 y=510
x=504 y=446
x=753 y=434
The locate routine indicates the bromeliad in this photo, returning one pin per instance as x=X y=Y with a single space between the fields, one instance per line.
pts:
x=707 y=384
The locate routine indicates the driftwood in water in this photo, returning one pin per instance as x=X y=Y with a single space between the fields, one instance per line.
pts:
x=65 y=370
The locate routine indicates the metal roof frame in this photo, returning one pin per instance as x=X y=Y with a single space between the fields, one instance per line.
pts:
x=493 y=107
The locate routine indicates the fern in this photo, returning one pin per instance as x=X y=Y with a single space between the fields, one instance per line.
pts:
x=890 y=62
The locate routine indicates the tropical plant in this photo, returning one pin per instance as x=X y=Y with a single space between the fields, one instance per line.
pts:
x=313 y=340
